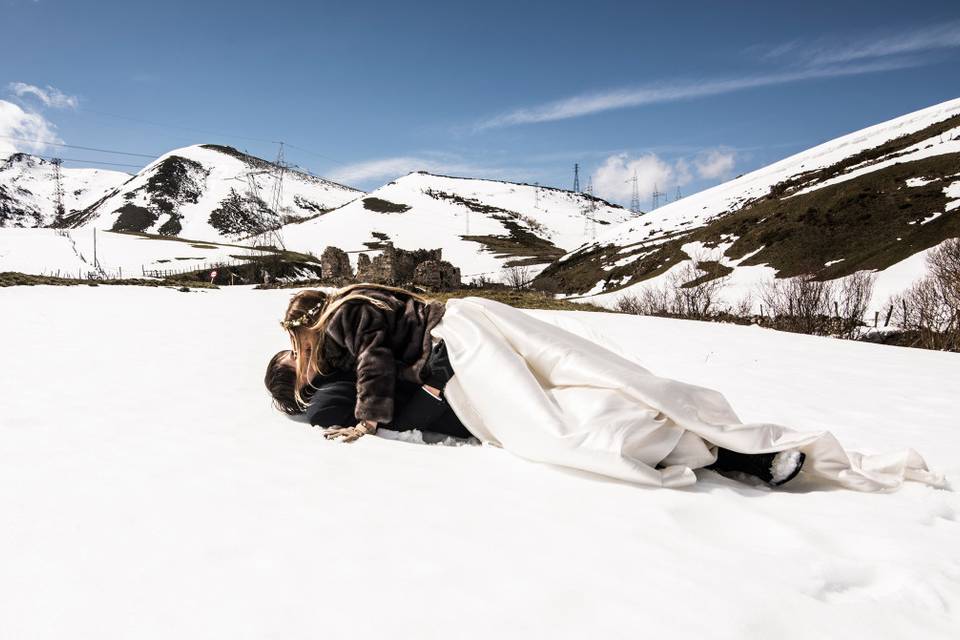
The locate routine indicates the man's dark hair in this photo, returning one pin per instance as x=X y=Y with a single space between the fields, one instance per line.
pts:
x=280 y=381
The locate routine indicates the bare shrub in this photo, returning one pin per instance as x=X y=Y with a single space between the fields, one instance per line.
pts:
x=652 y=301
x=688 y=292
x=853 y=295
x=944 y=265
x=799 y=304
x=694 y=295
x=929 y=311
x=518 y=276
x=742 y=308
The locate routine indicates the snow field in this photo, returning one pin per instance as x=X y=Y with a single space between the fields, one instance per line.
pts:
x=149 y=491
x=46 y=252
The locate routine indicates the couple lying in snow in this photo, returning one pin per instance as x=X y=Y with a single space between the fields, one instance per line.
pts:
x=367 y=356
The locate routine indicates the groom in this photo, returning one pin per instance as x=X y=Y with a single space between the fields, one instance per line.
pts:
x=334 y=398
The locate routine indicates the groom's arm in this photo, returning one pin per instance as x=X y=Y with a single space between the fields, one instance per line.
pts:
x=333 y=402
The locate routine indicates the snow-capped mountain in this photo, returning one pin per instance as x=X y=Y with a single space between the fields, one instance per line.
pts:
x=874 y=199
x=210 y=192
x=28 y=189
x=481 y=225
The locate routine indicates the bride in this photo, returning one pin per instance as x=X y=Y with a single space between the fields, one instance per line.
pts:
x=554 y=396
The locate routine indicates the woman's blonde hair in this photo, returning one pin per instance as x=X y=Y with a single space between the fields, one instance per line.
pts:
x=306 y=321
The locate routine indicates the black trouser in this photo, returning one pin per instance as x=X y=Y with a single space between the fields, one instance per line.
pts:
x=335 y=397
x=424 y=411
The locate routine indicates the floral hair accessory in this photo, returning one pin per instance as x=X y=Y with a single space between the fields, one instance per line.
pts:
x=307 y=317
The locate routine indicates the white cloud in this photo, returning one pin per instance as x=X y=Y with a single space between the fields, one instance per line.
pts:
x=587 y=104
x=906 y=41
x=50 y=96
x=388 y=168
x=23 y=131
x=715 y=163
x=613 y=180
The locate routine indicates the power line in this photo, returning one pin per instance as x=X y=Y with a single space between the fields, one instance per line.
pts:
x=74 y=146
x=213 y=133
x=113 y=164
x=314 y=153
x=173 y=126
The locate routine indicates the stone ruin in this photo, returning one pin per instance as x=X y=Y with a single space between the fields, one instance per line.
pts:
x=438 y=275
x=396 y=267
x=335 y=264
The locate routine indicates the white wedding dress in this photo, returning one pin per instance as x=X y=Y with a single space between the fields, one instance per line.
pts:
x=552 y=396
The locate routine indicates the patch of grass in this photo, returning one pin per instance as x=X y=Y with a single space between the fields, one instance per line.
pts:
x=16 y=279
x=527 y=248
x=134 y=218
x=381 y=241
x=384 y=206
x=518 y=299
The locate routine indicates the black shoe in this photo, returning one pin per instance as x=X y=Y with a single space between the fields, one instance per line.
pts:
x=775 y=469
x=785 y=466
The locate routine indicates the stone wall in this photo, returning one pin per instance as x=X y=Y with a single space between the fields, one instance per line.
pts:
x=335 y=264
x=396 y=267
x=438 y=275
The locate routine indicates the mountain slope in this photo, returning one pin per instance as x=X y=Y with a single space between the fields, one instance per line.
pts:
x=867 y=200
x=28 y=186
x=482 y=225
x=202 y=192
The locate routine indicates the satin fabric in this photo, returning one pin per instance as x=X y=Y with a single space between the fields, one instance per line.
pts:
x=553 y=395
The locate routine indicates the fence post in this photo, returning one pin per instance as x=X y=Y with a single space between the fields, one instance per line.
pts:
x=121 y=272
x=889 y=314
x=876 y=319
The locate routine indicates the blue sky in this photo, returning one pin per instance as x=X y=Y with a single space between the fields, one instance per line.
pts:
x=685 y=93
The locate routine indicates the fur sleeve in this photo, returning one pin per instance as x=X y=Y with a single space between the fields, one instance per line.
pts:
x=362 y=330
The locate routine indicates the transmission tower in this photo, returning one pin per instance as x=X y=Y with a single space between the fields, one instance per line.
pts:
x=656 y=196
x=635 y=195
x=576 y=177
x=271 y=230
x=678 y=195
x=59 y=209
x=589 y=213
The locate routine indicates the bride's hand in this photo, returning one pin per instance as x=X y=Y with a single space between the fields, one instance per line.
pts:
x=349 y=434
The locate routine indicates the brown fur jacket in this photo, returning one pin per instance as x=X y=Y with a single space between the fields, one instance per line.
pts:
x=381 y=345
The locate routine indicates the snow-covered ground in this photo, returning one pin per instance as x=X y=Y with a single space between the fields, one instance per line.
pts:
x=69 y=253
x=747 y=282
x=149 y=491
